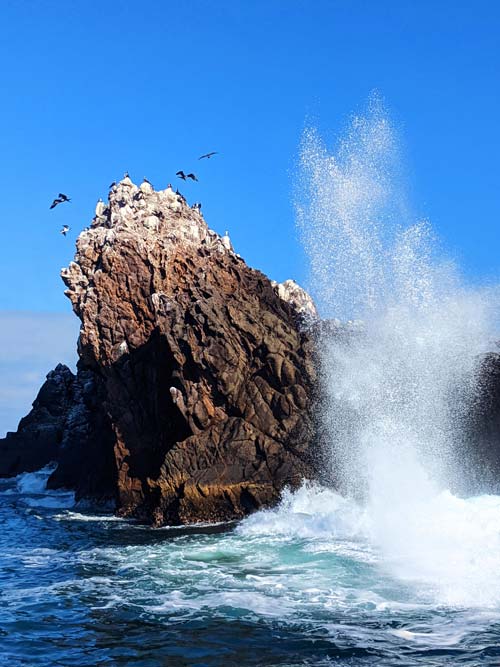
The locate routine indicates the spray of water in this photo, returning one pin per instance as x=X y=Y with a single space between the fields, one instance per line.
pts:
x=398 y=379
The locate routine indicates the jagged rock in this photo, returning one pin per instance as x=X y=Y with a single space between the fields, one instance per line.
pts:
x=294 y=294
x=37 y=440
x=67 y=425
x=194 y=395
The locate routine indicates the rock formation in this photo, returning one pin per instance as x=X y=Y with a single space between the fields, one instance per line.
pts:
x=194 y=394
x=301 y=301
x=39 y=435
x=482 y=431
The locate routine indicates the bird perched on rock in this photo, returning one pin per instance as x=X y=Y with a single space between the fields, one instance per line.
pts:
x=100 y=207
x=126 y=180
x=146 y=186
x=64 y=230
x=207 y=155
x=226 y=241
x=112 y=185
x=60 y=199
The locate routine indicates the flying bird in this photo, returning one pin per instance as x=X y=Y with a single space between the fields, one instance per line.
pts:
x=207 y=155
x=181 y=174
x=60 y=199
x=64 y=230
x=192 y=177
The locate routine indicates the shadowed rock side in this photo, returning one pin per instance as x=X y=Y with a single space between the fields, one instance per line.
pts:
x=38 y=438
x=193 y=369
x=482 y=436
x=68 y=425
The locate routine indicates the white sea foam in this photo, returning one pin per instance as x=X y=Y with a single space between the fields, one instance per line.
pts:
x=397 y=391
x=33 y=487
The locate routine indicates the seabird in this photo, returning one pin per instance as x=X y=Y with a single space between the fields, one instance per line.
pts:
x=64 y=230
x=61 y=198
x=226 y=241
x=181 y=174
x=100 y=208
x=207 y=155
x=112 y=185
x=146 y=186
x=192 y=177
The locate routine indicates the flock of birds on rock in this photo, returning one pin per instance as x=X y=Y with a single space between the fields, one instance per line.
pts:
x=62 y=198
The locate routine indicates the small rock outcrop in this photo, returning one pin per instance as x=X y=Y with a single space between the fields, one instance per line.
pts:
x=67 y=425
x=193 y=399
x=37 y=440
x=299 y=299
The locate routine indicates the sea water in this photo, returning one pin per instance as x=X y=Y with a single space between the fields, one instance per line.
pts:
x=308 y=583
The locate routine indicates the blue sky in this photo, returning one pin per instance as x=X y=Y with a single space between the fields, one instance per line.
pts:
x=88 y=90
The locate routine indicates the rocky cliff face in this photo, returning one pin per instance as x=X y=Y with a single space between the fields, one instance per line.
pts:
x=194 y=395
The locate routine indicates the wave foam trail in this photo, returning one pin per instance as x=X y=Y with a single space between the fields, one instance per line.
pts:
x=34 y=482
x=311 y=512
x=33 y=486
x=398 y=389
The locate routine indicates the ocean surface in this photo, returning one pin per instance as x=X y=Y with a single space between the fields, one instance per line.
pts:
x=309 y=583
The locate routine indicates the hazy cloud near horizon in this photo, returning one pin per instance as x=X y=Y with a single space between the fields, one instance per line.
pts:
x=31 y=345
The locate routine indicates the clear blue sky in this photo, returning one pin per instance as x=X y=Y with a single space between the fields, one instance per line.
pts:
x=90 y=89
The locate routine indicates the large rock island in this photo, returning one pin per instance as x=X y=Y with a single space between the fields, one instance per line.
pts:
x=193 y=399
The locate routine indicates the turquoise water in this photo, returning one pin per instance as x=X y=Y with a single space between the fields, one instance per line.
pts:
x=306 y=584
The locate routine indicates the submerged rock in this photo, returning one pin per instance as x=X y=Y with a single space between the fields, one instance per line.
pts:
x=194 y=394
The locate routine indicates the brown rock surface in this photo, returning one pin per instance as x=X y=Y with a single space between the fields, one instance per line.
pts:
x=202 y=378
